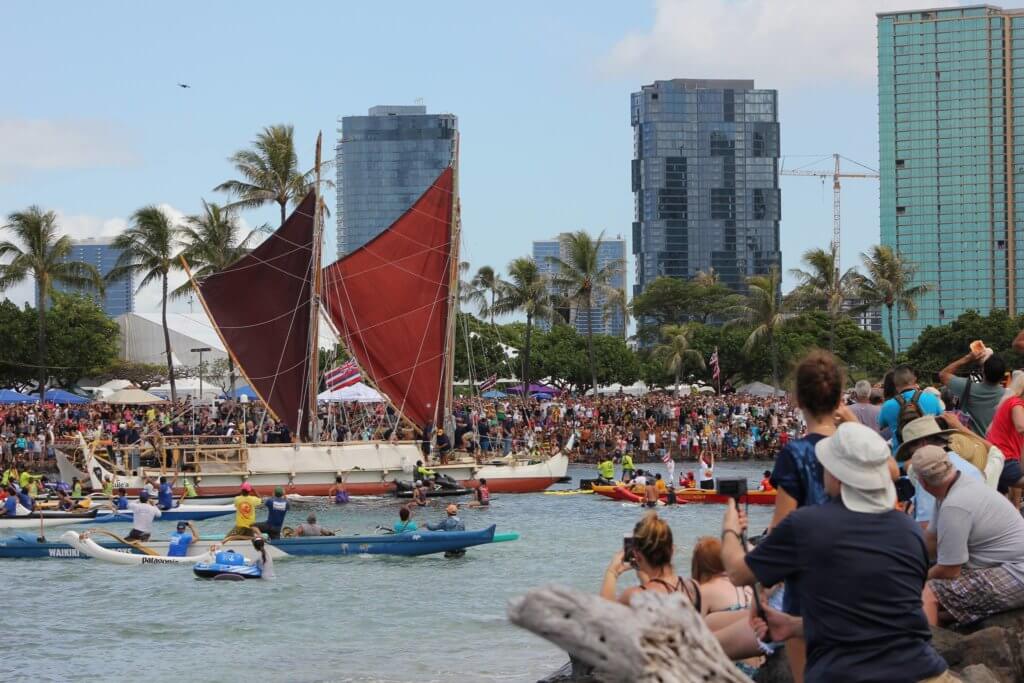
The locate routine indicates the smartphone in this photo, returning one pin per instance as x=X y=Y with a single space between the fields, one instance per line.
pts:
x=628 y=546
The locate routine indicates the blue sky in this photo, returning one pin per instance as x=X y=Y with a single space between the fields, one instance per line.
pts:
x=94 y=126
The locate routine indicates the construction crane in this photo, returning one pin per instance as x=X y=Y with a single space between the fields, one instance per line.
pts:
x=835 y=174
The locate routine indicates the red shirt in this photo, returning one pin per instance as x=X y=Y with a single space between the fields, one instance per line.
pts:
x=1002 y=433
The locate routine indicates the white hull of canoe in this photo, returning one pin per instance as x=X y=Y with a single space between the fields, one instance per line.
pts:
x=369 y=468
x=200 y=551
x=554 y=467
x=32 y=521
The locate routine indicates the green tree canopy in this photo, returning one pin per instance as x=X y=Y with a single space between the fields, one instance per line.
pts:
x=82 y=340
x=938 y=345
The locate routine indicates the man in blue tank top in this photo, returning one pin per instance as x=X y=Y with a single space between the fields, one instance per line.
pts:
x=165 y=498
x=277 y=508
x=181 y=539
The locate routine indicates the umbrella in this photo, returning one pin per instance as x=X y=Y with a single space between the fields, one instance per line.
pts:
x=494 y=393
x=133 y=397
x=541 y=395
x=245 y=390
x=12 y=396
x=61 y=396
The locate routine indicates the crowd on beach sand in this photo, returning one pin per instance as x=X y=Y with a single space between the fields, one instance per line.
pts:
x=897 y=510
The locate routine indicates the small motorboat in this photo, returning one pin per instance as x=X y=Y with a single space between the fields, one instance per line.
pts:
x=85 y=545
x=227 y=562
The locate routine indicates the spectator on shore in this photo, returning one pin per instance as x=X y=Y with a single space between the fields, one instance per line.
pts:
x=864 y=409
x=979 y=400
x=857 y=564
x=909 y=402
x=977 y=538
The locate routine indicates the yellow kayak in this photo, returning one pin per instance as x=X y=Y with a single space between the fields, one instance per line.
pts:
x=574 y=492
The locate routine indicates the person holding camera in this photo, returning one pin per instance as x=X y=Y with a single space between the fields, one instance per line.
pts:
x=648 y=552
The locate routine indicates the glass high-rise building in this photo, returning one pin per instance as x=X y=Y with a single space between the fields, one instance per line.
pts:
x=705 y=180
x=951 y=124
x=603 y=321
x=119 y=297
x=385 y=161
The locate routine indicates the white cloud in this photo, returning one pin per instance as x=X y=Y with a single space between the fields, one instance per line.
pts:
x=778 y=43
x=47 y=144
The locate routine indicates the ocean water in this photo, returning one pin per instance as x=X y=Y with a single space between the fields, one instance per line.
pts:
x=370 y=619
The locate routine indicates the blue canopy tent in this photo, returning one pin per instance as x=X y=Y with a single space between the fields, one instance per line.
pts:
x=494 y=393
x=61 y=396
x=12 y=396
x=241 y=391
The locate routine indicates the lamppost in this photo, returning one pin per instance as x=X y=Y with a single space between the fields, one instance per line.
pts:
x=201 y=350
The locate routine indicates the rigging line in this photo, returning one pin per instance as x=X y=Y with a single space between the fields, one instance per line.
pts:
x=393 y=318
x=389 y=262
x=257 y=261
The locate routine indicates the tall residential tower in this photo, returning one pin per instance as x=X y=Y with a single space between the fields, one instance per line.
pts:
x=951 y=124
x=119 y=296
x=601 y=319
x=705 y=180
x=385 y=161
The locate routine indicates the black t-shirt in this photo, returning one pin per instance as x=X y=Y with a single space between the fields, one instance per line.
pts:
x=860 y=582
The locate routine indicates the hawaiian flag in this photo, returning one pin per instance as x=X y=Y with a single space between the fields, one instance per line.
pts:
x=488 y=383
x=715 y=372
x=345 y=375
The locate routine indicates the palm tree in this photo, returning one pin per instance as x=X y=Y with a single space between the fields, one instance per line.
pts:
x=526 y=291
x=212 y=242
x=889 y=282
x=617 y=303
x=40 y=253
x=821 y=286
x=581 y=277
x=676 y=350
x=483 y=290
x=270 y=172
x=148 y=249
x=763 y=311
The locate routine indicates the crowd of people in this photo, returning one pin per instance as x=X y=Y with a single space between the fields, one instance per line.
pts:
x=897 y=509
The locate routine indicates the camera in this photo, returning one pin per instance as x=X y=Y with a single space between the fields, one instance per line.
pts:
x=733 y=487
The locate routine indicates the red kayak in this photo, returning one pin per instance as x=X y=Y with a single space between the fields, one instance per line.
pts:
x=622 y=493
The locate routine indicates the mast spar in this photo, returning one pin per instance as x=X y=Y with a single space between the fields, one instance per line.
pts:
x=314 y=304
x=453 y=295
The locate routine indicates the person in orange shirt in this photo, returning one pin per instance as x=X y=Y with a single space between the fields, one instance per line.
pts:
x=766 y=482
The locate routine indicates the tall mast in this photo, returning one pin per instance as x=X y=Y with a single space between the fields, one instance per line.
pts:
x=314 y=303
x=453 y=288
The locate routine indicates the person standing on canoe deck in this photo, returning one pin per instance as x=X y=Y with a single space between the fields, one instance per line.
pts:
x=277 y=508
x=451 y=522
x=419 y=494
x=181 y=539
x=338 y=491
x=404 y=522
x=246 y=503
x=165 y=497
x=482 y=494
x=627 y=467
x=143 y=514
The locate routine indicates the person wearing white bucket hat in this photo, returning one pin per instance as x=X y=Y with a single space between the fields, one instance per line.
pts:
x=858 y=565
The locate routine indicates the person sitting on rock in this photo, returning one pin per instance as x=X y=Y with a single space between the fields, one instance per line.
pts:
x=978 y=539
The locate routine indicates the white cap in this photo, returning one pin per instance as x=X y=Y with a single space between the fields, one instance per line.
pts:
x=859 y=458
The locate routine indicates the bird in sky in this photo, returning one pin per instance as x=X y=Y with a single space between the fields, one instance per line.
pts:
x=184 y=85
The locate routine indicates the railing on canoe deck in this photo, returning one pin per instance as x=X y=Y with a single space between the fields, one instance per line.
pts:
x=171 y=455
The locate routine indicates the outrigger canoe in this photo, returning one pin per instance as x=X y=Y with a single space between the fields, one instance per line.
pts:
x=86 y=545
x=182 y=513
x=46 y=519
x=411 y=544
x=622 y=493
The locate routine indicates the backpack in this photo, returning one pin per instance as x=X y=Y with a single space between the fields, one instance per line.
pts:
x=909 y=410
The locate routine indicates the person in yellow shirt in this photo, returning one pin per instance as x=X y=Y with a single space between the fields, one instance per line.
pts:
x=659 y=484
x=245 y=511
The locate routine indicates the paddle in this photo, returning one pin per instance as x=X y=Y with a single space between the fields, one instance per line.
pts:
x=135 y=544
x=507 y=536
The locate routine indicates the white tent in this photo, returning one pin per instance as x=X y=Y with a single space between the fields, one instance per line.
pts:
x=358 y=393
x=760 y=389
x=133 y=397
x=190 y=387
x=638 y=388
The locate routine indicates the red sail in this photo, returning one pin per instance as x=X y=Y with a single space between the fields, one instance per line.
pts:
x=260 y=307
x=389 y=301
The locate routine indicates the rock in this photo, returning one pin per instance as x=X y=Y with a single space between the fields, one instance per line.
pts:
x=949 y=645
x=978 y=673
x=997 y=649
x=774 y=670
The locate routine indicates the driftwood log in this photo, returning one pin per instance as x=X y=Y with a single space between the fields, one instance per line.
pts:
x=660 y=639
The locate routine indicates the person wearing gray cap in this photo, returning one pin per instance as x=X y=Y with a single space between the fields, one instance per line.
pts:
x=978 y=540
x=857 y=564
